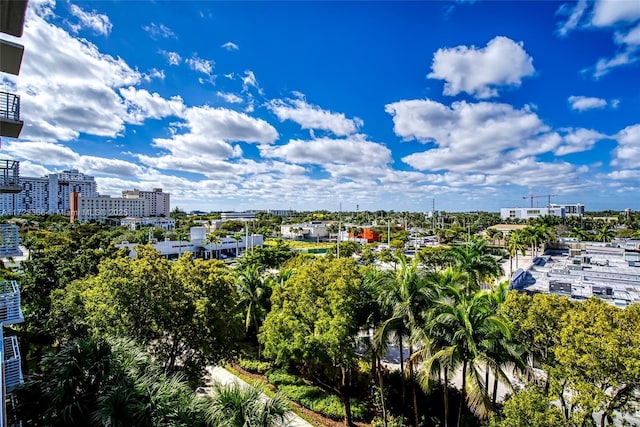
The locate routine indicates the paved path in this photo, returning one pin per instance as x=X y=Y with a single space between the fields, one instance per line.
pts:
x=224 y=377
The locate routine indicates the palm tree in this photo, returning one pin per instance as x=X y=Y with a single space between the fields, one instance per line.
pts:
x=473 y=259
x=236 y=406
x=405 y=296
x=432 y=344
x=605 y=233
x=237 y=237
x=463 y=323
x=255 y=292
x=515 y=243
x=212 y=239
x=494 y=234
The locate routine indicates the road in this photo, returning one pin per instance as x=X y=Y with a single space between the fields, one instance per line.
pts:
x=224 y=377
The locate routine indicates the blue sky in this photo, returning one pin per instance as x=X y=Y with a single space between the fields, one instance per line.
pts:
x=306 y=105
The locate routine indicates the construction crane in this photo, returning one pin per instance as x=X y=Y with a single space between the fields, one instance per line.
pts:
x=531 y=196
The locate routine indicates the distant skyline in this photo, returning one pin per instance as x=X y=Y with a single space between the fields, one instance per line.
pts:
x=306 y=105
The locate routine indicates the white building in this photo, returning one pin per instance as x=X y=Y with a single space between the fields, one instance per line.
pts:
x=101 y=207
x=311 y=230
x=575 y=209
x=50 y=194
x=530 y=213
x=135 y=223
x=225 y=216
x=159 y=202
x=198 y=244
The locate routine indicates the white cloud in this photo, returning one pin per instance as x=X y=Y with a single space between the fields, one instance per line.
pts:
x=97 y=22
x=142 y=105
x=249 y=80
x=230 y=46
x=620 y=16
x=627 y=153
x=584 y=103
x=207 y=142
x=173 y=58
x=495 y=143
x=67 y=86
x=578 y=140
x=355 y=151
x=608 y=13
x=157 y=31
x=313 y=117
x=231 y=98
x=481 y=71
x=203 y=66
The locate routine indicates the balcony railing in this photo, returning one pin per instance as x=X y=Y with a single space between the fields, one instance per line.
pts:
x=10 y=311
x=12 y=368
x=9 y=106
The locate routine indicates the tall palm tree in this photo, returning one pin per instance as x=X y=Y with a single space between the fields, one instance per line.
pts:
x=605 y=233
x=433 y=362
x=255 y=292
x=464 y=322
x=405 y=296
x=212 y=239
x=515 y=244
x=237 y=237
x=236 y=406
x=473 y=259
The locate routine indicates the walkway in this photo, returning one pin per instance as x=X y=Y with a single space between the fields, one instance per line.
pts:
x=224 y=377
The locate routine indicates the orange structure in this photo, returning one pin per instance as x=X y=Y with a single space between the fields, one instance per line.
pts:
x=367 y=233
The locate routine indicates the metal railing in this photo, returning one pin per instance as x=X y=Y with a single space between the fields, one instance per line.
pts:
x=9 y=106
x=10 y=311
x=12 y=369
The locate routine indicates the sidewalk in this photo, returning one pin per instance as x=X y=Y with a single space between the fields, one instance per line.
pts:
x=224 y=377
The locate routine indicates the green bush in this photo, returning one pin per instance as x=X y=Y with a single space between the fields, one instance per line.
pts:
x=279 y=377
x=254 y=366
x=322 y=402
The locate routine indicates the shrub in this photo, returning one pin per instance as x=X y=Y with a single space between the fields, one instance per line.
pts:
x=254 y=366
x=279 y=377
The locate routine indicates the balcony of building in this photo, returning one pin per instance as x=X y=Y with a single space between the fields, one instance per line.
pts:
x=10 y=123
x=11 y=361
x=10 y=311
x=12 y=14
x=10 y=57
x=10 y=176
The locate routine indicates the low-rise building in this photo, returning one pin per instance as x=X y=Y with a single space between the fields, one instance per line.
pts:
x=310 y=230
x=102 y=207
x=135 y=223
x=530 y=213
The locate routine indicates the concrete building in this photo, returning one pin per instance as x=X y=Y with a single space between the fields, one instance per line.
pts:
x=50 y=194
x=243 y=216
x=159 y=202
x=608 y=271
x=102 y=207
x=200 y=246
x=575 y=209
x=530 y=213
x=311 y=230
x=12 y=14
x=135 y=223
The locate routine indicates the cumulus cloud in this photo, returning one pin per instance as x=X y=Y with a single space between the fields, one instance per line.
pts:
x=231 y=98
x=173 y=58
x=627 y=153
x=355 y=150
x=481 y=71
x=313 y=117
x=584 y=103
x=141 y=105
x=208 y=139
x=621 y=17
x=230 y=46
x=97 y=22
x=200 y=65
x=249 y=80
x=578 y=140
x=68 y=86
x=158 y=31
x=495 y=142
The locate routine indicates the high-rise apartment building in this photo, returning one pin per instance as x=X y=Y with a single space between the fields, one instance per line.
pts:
x=50 y=194
x=159 y=202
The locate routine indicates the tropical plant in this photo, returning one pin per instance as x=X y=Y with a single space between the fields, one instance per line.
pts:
x=473 y=259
